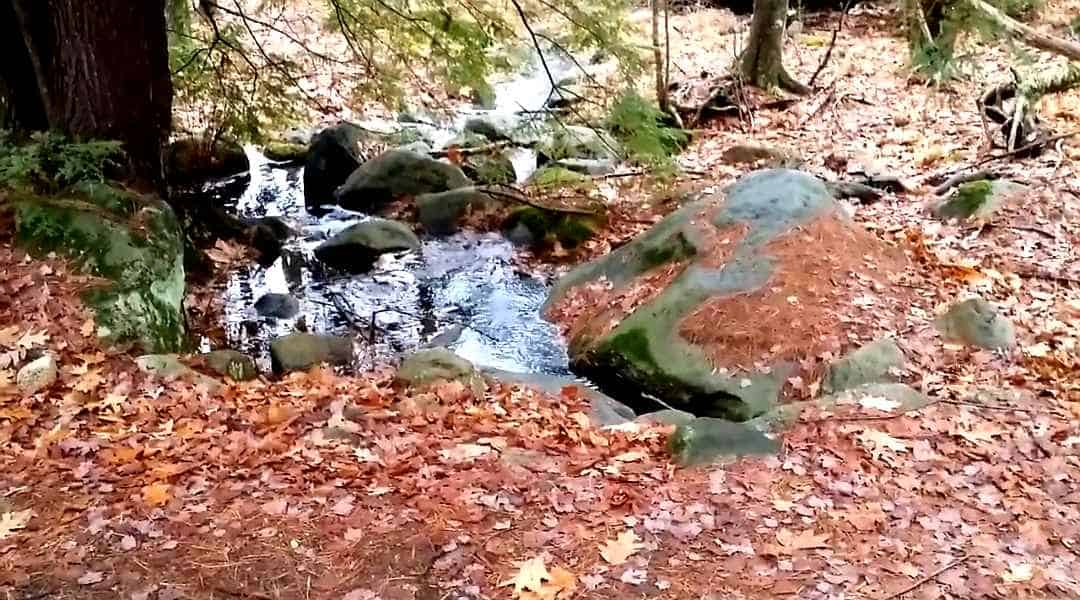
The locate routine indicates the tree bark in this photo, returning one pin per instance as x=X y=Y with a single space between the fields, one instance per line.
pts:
x=100 y=71
x=762 y=63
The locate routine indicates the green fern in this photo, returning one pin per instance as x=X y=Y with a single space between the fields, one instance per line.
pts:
x=50 y=162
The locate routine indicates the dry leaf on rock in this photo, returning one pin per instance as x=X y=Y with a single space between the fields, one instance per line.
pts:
x=530 y=576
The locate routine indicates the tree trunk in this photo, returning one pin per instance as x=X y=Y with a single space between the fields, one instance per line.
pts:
x=762 y=63
x=98 y=69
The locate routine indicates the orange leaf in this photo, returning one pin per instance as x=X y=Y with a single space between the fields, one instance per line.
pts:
x=157 y=494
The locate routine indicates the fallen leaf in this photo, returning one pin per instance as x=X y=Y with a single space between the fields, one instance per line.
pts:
x=91 y=577
x=803 y=540
x=634 y=576
x=10 y=522
x=616 y=551
x=276 y=507
x=361 y=594
x=343 y=507
x=879 y=403
x=530 y=576
x=879 y=442
x=1018 y=573
x=157 y=494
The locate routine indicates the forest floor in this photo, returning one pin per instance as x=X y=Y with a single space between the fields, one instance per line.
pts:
x=320 y=485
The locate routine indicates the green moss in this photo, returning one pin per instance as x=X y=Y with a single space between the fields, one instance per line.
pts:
x=548 y=226
x=137 y=246
x=968 y=201
x=556 y=177
x=285 y=151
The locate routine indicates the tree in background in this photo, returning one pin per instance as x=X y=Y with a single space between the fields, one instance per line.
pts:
x=90 y=70
x=762 y=62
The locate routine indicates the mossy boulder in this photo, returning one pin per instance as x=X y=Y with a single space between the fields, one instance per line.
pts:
x=333 y=155
x=977 y=323
x=132 y=241
x=490 y=168
x=394 y=174
x=873 y=363
x=358 y=247
x=193 y=159
x=286 y=152
x=301 y=351
x=442 y=213
x=705 y=440
x=233 y=364
x=544 y=226
x=978 y=199
x=556 y=176
x=724 y=247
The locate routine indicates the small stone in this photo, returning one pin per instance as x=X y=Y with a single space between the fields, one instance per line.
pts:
x=706 y=439
x=278 y=306
x=977 y=323
x=873 y=363
x=168 y=366
x=37 y=375
x=301 y=351
x=230 y=363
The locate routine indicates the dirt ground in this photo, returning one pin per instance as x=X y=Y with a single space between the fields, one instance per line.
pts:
x=318 y=485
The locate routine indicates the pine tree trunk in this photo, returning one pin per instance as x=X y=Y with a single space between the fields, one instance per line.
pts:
x=98 y=69
x=762 y=63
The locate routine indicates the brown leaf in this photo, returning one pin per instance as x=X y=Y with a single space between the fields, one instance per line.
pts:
x=616 y=551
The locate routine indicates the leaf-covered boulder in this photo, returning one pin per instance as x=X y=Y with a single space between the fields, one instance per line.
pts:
x=356 y=248
x=394 y=174
x=714 y=308
x=333 y=155
x=977 y=323
x=132 y=241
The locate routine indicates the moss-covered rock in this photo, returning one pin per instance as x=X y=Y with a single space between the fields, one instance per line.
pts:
x=644 y=350
x=442 y=213
x=575 y=141
x=132 y=241
x=230 y=363
x=873 y=363
x=490 y=168
x=169 y=366
x=397 y=173
x=545 y=226
x=705 y=440
x=301 y=351
x=556 y=176
x=333 y=156
x=977 y=323
x=978 y=199
x=286 y=152
x=193 y=159
x=358 y=247
x=432 y=365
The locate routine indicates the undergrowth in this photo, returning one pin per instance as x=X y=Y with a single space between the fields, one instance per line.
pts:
x=639 y=125
x=50 y=162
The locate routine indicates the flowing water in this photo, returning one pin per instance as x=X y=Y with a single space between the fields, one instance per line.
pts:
x=459 y=291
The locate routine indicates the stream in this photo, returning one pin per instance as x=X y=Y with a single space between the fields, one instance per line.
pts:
x=459 y=291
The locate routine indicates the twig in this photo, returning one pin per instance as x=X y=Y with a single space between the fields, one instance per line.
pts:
x=832 y=44
x=994 y=157
x=927 y=579
x=519 y=196
x=991 y=406
x=1041 y=232
x=475 y=149
x=962 y=178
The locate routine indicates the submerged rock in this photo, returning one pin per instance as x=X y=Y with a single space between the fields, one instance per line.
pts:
x=278 y=306
x=301 y=351
x=333 y=156
x=978 y=199
x=230 y=363
x=397 y=173
x=977 y=323
x=706 y=439
x=358 y=247
x=712 y=309
x=37 y=375
x=133 y=241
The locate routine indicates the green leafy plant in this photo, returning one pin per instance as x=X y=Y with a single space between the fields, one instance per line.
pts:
x=50 y=162
x=639 y=126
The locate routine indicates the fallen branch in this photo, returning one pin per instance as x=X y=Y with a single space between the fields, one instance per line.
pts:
x=927 y=579
x=486 y=148
x=962 y=178
x=832 y=44
x=1029 y=35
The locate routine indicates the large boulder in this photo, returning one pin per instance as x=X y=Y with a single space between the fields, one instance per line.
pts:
x=394 y=174
x=301 y=351
x=717 y=306
x=132 y=241
x=358 y=247
x=190 y=160
x=333 y=156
